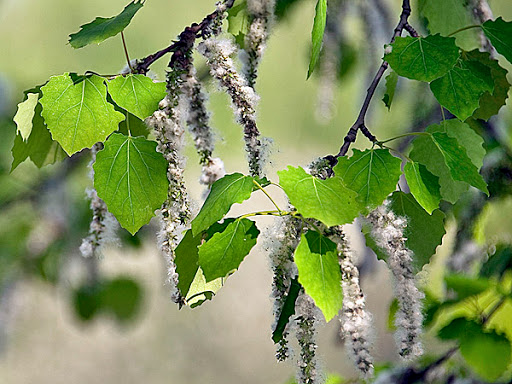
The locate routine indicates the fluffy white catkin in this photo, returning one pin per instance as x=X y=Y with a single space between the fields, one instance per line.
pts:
x=103 y=227
x=175 y=212
x=218 y=54
x=308 y=371
x=198 y=121
x=282 y=240
x=356 y=321
x=261 y=13
x=388 y=232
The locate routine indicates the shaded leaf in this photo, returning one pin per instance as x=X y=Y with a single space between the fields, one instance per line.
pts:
x=78 y=116
x=391 y=81
x=102 y=28
x=39 y=147
x=326 y=200
x=498 y=263
x=499 y=32
x=131 y=177
x=133 y=126
x=231 y=189
x=238 y=22
x=424 y=186
x=317 y=34
x=460 y=89
x=122 y=297
x=373 y=174
x=423 y=58
x=224 y=251
x=424 y=232
x=186 y=260
x=491 y=102
x=447 y=16
x=319 y=272
x=287 y=311
x=138 y=94
x=465 y=286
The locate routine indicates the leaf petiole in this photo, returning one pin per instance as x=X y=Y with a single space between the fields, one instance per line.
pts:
x=266 y=193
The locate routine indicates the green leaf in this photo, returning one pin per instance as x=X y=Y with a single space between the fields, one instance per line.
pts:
x=131 y=177
x=487 y=352
x=231 y=189
x=78 y=115
x=423 y=58
x=200 y=290
x=444 y=156
x=424 y=232
x=123 y=298
x=372 y=174
x=326 y=200
x=319 y=272
x=391 y=81
x=447 y=16
x=287 y=311
x=424 y=186
x=498 y=263
x=40 y=147
x=87 y=301
x=25 y=115
x=317 y=35
x=490 y=103
x=137 y=94
x=238 y=23
x=460 y=89
x=224 y=251
x=102 y=28
x=499 y=32
x=186 y=259
x=393 y=309
x=466 y=286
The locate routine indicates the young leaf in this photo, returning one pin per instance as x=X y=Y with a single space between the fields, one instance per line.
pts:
x=460 y=89
x=424 y=232
x=424 y=186
x=372 y=174
x=40 y=147
x=225 y=192
x=423 y=58
x=224 y=251
x=137 y=94
x=326 y=200
x=317 y=35
x=131 y=177
x=319 y=272
x=491 y=102
x=465 y=286
x=447 y=16
x=499 y=32
x=78 y=115
x=238 y=22
x=200 y=290
x=102 y=28
x=391 y=81
x=25 y=115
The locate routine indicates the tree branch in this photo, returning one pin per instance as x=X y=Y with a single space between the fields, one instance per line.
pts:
x=186 y=40
x=360 y=122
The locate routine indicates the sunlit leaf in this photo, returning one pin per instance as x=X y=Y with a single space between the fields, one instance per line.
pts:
x=317 y=35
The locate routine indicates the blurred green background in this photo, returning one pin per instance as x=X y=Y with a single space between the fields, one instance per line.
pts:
x=226 y=340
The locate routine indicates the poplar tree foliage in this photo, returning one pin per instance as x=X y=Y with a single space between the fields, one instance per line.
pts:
x=442 y=165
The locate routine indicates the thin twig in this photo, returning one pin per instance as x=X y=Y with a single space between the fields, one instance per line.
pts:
x=360 y=122
x=126 y=52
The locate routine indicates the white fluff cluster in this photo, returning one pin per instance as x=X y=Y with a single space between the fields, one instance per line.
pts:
x=388 y=232
x=175 y=212
x=104 y=225
x=464 y=258
x=198 y=118
x=309 y=371
x=356 y=321
x=243 y=97
x=261 y=13
x=281 y=241
x=212 y=171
